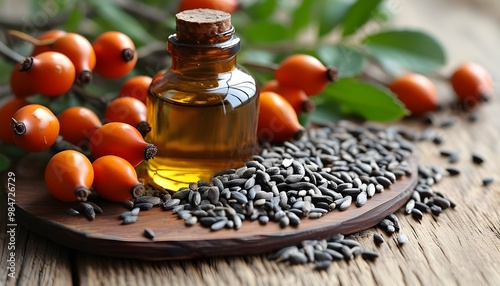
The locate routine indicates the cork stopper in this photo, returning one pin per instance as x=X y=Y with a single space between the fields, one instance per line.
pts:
x=202 y=25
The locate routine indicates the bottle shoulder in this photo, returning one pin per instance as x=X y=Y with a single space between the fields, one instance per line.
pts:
x=235 y=87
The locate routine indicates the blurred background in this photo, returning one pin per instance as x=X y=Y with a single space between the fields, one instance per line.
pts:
x=270 y=30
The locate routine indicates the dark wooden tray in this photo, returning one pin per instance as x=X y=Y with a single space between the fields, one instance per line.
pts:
x=38 y=211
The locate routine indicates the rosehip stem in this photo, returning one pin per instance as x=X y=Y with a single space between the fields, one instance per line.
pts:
x=19 y=127
x=137 y=190
x=332 y=74
x=128 y=54
x=26 y=64
x=150 y=151
x=144 y=128
x=82 y=193
x=30 y=39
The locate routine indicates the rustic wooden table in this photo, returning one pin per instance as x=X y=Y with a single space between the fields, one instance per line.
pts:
x=460 y=247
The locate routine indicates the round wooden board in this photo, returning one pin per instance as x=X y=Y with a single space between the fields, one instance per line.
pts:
x=38 y=211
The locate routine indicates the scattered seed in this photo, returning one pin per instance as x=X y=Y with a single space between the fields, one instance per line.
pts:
x=88 y=210
x=378 y=238
x=322 y=265
x=72 y=211
x=149 y=233
x=97 y=209
x=297 y=257
x=148 y=199
x=128 y=204
x=402 y=239
x=416 y=214
x=130 y=219
x=454 y=157
x=435 y=210
x=369 y=255
x=144 y=206
x=487 y=181
x=441 y=202
x=135 y=211
x=477 y=159
x=453 y=171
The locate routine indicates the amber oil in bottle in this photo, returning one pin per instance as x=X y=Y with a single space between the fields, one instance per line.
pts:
x=203 y=110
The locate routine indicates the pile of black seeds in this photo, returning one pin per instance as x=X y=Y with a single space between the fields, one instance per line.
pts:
x=327 y=170
x=323 y=252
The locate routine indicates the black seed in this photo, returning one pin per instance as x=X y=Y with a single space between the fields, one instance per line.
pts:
x=441 y=202
x=410 y=205
x=88 y=210
x=129 y=219
x=346 y=252
x=446 y=153
x=144 y=206
x=263 y=219
x=72 y=211
x=477 y=159
x=336 y=255
x=148 y=199
x=181 y=194
x=350 y=242
x=438 y=140
x=97 y=209
x=447 y=122
x=293 y=218
x=402 y=239
x=297 y=257
x=207 y=221
x=487 y=181
x=322 y=265
x=315 y=215
x=128 y=204
x=149 y=233
x=421 y=207
x=383 y=181
x=416 y=214
x=390 y=229
x=395 y=220
x=453 y=171
x=322 y=255
x=369 y=255
x=361 y=199
x=435 y=210
x=218 y=224
x=344 y=204
x=378 y=238
x=284 y=221
x=239 y=197
x=454 y=157
x=135 y=211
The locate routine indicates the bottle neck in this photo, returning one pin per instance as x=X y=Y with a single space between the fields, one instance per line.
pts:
x=195 y=58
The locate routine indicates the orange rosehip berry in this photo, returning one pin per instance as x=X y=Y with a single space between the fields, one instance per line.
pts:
x=416 y=92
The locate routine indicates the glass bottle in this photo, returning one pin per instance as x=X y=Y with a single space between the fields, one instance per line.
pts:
x=203 y=110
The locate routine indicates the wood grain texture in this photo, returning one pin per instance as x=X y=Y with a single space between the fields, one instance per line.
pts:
x=40 y=212
x=38 y=260
x=460 y=247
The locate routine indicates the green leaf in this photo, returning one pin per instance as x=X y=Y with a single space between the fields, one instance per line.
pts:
x=265 y=31
x=4 y=163
x=331 y=14
x=302 y=16
x=362 y=99
x=75 y=18
x=261 y=9
x=12 y=151
x=346 y=59
x=396 y=50
x=359 y=13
